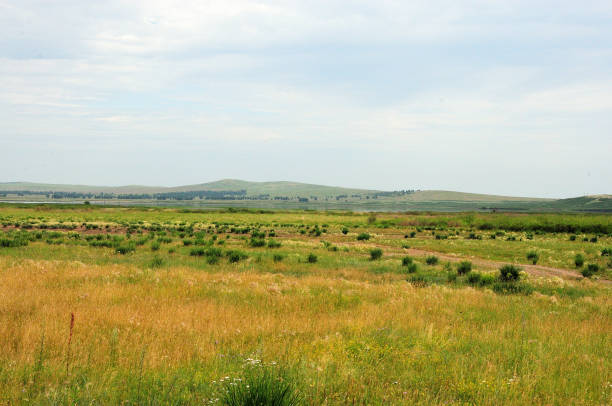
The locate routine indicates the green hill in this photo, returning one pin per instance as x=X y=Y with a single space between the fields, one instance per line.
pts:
x=280 y=188
x=332 y=197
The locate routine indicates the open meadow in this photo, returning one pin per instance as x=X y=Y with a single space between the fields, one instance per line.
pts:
x=118 y=305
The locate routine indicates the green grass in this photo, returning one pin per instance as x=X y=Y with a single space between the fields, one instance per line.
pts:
x=166 y=327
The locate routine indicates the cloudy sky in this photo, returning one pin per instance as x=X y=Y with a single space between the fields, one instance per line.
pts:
x=505 y=97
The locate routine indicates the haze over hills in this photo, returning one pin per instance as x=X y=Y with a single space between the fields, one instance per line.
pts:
x=331 y=196
x=276 y=188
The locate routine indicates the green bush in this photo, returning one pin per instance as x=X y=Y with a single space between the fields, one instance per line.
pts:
x=273 y=244
x=156 y=262
x=418 y=280
x=406 y=261
x=590 y=270
x=533 y=256
x=345 y=230
x=125 y=249
x=579 y=260
x=260 y=386
x=257 y=242
x=187 y=242
x=473 y=278
x=431 y=260
x=606 y=252
x=464 y=267
x=278 y=257
x=234 y=256
x=197 y=252
x=375 y=253
x=363 y=237
x=509 y=273
x=155 y=246
x=312 y=258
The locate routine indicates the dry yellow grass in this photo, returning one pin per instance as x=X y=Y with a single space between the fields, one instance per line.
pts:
x=374 y=337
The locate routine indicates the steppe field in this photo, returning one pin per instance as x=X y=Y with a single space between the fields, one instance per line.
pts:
x=140 y=306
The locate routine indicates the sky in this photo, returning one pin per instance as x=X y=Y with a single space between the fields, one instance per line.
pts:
x=502 y=97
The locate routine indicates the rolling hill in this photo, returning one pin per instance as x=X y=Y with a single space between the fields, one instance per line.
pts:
x=330 y=197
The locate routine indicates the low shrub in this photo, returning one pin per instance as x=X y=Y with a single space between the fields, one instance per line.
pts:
x=234 y=256
x=418 y=280
x=273 y=244
x=590 y=270
x=157 y=262
x=125 y=249
x=345 y=230
x=375 y=253
x=431 y=260
x=464 y=267
x=197 y=252
x=260 y=386
x=278 y=257
x=312 y=258
x=257 y=242
x=533 y=256
x=406 y=261
x=509 y=273
x=363 y=237
x=606 y=252
x=579 y=260
x=473 y=278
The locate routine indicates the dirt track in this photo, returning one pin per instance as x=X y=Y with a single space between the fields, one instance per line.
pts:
x=537 y=270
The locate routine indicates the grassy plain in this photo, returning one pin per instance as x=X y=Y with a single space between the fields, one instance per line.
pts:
x=170 y=305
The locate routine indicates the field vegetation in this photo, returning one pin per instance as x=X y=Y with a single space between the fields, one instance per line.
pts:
x=109 y=305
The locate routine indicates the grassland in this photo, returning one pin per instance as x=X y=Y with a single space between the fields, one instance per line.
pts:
x=174 y=306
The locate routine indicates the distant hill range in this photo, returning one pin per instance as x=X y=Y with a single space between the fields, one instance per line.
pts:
x=285 y=194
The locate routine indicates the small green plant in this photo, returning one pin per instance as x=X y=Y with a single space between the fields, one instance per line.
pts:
x=125 y=249
x=155 y=246
x=407 y=261
x=278 y=257
x=512 y=288
x=431 y=260
x=274 y=244
x=375 y=253
x=234 y=256
x=590 y=270
x=257 y=242
x=345 y=230
x=312 y=258
x=157 y=262
x=579 y=260
x=464 y=267
x=197 y=252
x=473 y=278
x=509 y=273
x=363 y=237
x=606 y=252
x=260 y=386
x=533 y=256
